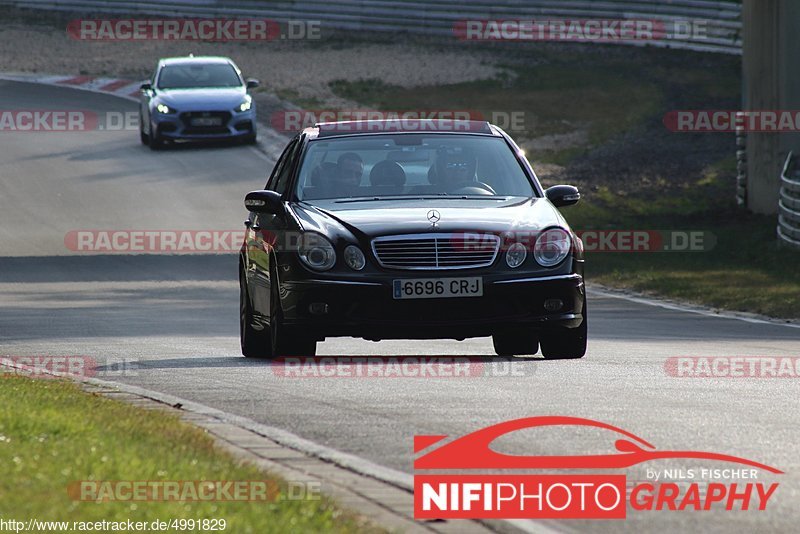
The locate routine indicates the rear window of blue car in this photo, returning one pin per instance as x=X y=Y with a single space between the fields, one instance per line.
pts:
x=194 y=75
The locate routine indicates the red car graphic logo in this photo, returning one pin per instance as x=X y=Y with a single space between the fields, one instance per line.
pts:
x=473 y=451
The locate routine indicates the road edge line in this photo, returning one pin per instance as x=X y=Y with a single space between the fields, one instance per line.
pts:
x=604 y=291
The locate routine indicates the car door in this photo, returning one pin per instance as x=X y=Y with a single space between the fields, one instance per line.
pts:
x=265 y=231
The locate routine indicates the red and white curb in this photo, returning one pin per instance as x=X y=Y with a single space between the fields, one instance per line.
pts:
x=128 y=89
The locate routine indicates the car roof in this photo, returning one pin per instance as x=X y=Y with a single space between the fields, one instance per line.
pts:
x=388 y=126
x=187 y=60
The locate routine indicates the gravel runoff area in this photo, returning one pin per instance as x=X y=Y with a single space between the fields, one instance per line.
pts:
x=300 y=68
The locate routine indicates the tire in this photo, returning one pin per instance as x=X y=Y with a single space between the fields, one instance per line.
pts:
x=565 y=343
x=255 y=343
x=143 y=137
x=286 y=341
x=518 y=343
x=155 y=142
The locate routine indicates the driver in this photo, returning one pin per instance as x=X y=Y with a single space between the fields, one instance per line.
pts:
x=349 y=170
x=455 y=170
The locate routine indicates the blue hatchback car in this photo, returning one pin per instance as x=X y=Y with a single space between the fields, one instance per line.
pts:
x=196 y=98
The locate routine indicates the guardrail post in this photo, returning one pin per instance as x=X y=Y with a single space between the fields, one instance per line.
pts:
x=741 y=168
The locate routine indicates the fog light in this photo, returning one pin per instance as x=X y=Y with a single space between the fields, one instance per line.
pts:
x=552 y=305
x=354 y=258
x=516 y=255
x=318 y=308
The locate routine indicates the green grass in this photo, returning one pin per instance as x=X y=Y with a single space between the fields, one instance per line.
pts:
x=52 y=433
x=745 y=270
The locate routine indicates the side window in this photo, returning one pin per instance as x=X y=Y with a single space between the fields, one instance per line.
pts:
x=277 y=171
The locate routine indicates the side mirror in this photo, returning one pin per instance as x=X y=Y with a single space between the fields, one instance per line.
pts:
x=147 y=86
x=563 y=195
x=252 y=83
x=263 y=201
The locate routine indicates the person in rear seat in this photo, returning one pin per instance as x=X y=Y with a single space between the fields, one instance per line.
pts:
x=388 y=177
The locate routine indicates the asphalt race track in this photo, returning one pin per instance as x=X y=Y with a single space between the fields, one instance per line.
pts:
x=174 y=319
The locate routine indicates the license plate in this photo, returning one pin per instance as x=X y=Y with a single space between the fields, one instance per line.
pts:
x=437 y=288
x=207 y=121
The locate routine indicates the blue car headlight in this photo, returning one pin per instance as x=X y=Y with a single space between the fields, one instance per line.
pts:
x=246 y=104
x=165 y=109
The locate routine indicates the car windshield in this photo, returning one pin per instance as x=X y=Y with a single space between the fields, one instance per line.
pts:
x=411 y=165
x=198 y=75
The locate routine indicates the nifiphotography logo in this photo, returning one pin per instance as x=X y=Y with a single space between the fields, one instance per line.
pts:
x=477 y=495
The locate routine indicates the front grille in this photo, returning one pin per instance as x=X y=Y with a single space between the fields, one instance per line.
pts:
x=436 y=251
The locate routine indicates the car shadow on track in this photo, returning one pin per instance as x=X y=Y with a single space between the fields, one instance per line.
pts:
x=210 y=362
x=188 y=146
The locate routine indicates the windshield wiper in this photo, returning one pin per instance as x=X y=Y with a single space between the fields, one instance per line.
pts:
x=419 y=197
x=380 y=199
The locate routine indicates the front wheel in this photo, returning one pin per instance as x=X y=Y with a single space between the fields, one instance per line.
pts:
x=255 y=343
x=286 y=340
x=143 y=137
x=156 y=142
x=565 y=343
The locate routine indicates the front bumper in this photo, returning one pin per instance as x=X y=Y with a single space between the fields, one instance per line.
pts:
x=179 y=126
x=367 y=308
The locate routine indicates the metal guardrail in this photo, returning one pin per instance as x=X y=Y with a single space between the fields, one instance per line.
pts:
x=789 y=203
x=722 y=19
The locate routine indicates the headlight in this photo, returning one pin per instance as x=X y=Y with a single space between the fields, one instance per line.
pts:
x=354 y=258
x=516 y=254
x=246 y=105
x=164 y=109
x=317 y=252
x=552 y=247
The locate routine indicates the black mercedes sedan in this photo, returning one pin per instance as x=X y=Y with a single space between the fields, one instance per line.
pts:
x=405 y=229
